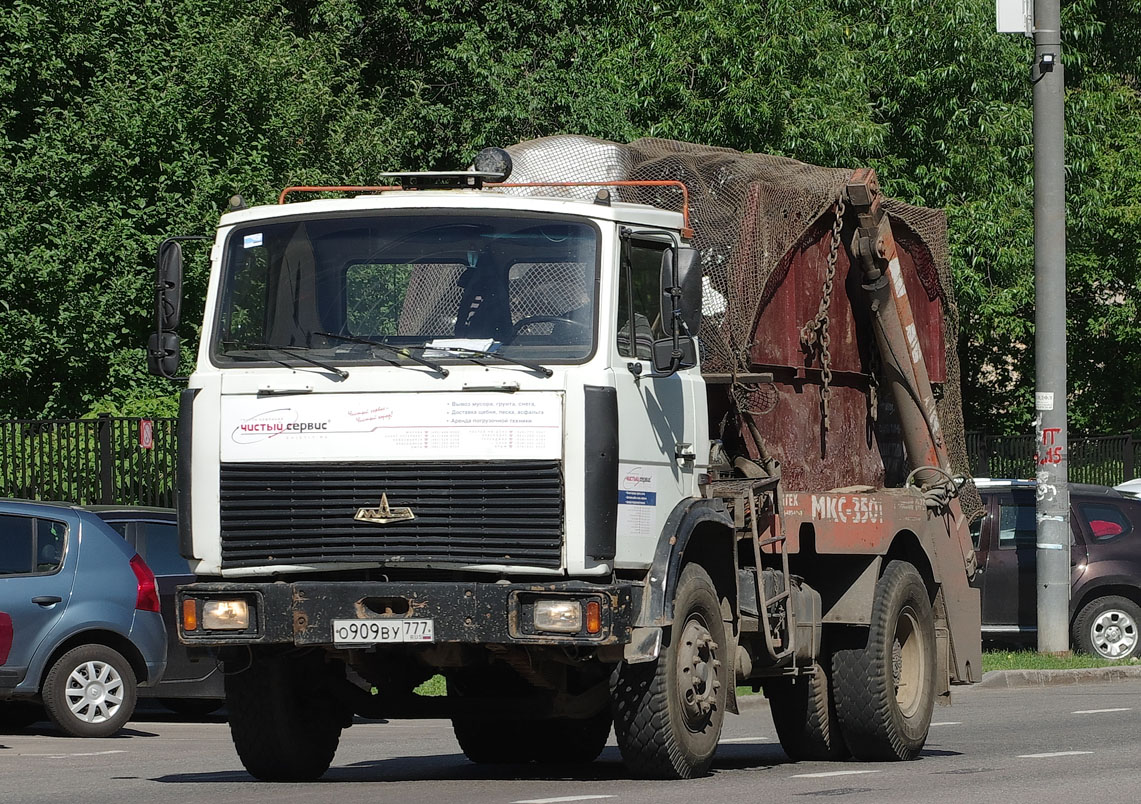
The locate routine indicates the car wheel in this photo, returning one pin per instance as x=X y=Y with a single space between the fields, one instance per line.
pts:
x=90 y=691
x=1107 y=627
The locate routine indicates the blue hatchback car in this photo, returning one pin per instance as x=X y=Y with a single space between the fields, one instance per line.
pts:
x=82 y=625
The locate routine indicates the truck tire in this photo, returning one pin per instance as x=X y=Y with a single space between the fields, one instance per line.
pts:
x=495 y=742
x=885 y=690
x=804 y=716
x=90 y=691
x=668 y=713
x=283 y=728
x=548 y=742
x=1108 y=627
x=571 y=742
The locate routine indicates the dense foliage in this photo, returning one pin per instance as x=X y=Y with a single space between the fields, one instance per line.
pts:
x=125 y=120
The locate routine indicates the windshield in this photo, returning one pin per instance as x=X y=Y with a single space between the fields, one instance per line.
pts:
x=347 y=289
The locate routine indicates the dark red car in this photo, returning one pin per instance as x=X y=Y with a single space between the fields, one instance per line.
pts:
x=1105 y=566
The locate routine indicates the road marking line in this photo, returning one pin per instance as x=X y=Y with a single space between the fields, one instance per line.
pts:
x=949 y=723
x=830 y=773
x=744 y=740
x=1053 y=754
x=67 y=756
x=559 y=799
x=1099 y=711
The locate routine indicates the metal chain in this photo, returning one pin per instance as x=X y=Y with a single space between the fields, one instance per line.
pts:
x=816 y=331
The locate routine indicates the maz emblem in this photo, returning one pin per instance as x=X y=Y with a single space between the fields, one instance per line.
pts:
x=384 y=514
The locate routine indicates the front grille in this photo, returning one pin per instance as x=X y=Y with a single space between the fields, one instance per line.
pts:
x=479 y=512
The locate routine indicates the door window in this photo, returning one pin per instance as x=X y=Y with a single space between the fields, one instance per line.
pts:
x=30 y=545
x=638 y=298
x=1017 y=526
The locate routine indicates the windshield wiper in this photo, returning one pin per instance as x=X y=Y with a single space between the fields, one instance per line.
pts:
x=292 y=351
x=464 y=352
x=402 y=351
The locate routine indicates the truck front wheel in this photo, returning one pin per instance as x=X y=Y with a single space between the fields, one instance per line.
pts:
x=668 y=713
x=885 y=690
x=284 y=727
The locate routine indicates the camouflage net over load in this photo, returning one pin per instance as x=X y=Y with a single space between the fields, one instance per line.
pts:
x=724 y=186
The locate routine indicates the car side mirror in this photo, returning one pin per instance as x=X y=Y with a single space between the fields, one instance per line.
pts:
x=681 y=289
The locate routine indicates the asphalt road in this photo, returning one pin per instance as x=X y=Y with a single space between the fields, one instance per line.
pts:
x=1038 y=745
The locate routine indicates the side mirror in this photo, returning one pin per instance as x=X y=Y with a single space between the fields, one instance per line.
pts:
x=664 y=355
x=681 y=289
x=163 y=345
x=162 y=354
x=168 y=286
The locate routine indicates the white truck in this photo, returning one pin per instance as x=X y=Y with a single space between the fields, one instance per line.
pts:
x=543 y=439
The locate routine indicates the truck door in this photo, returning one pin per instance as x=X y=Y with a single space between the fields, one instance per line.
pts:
x=659 y=419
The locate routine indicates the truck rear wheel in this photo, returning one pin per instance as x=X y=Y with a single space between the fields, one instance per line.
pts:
x=284 y=728
x=804 y=716
x=668 y=713
x=885 y=690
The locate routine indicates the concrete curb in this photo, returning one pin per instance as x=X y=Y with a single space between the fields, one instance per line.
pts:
x=1010 y=679
x=1014 y=679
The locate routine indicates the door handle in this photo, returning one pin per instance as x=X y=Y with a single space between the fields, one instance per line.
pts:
x=46 y=600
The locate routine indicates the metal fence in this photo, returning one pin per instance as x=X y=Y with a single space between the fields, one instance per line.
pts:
x=1105 y=460
x=107 y=460
x=128 y=461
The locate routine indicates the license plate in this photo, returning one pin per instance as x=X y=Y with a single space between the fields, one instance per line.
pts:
x=372 y=632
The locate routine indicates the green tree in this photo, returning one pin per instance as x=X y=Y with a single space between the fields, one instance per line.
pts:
x=122 y=122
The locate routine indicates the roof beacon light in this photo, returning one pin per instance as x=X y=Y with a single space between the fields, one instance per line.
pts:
x=493 y=161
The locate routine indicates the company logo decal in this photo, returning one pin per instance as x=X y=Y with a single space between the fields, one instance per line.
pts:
x=384 y=513
x=637 y=479
x=272 y=423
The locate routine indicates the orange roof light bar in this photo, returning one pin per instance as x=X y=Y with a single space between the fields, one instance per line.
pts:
x=686 y=230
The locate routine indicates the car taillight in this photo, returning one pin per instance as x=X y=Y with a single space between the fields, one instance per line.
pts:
x=147 y=599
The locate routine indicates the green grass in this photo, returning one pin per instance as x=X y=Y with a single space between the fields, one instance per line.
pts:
x=433 y=687
x=1030 y=660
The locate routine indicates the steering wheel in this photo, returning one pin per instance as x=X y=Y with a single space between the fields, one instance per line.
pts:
x=523 y=323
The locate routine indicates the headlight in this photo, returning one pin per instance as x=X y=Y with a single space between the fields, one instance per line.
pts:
x=564 y=616
x=225 y=615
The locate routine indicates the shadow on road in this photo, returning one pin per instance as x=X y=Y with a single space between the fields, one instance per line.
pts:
x=456 y=767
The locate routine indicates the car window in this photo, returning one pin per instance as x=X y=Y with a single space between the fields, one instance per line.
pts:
x=1017 y=526
x=158 y=545
x=1106 y=522
x=29 y=545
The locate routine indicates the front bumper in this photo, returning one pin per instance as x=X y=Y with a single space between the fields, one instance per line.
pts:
x=302 y=613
